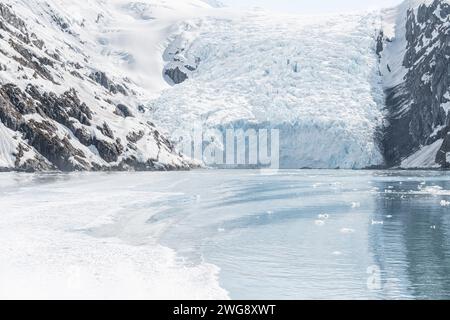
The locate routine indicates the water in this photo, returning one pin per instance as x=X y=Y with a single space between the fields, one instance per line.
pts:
x=319 y=234
x=265 y=234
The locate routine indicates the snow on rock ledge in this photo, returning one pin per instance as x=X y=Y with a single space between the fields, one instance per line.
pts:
x=415 y=60
x=69 y=98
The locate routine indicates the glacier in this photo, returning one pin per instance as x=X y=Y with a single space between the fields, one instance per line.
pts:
x=142 y=72
x=316 y=79
x=313 y=78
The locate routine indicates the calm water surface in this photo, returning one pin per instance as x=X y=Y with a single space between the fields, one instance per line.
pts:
x=319 y=234
x=274 y=235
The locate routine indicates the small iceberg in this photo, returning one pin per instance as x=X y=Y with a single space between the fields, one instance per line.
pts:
x=319 y=223
x=356 y=205
x=445 y=203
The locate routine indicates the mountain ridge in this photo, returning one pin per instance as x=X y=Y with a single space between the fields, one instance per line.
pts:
x=109 y=85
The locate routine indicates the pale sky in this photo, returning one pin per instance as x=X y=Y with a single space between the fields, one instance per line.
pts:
x=314 y=6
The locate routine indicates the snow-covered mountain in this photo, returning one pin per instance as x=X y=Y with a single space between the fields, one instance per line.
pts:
x=73 y=80
x=415 y=51
x=109 y=84
x=318 y=80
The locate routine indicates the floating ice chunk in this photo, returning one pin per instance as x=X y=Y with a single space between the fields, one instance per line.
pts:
x=270 y=212
x=347 y=230
x=433 y=227
x=337 y=253
x=445 y=203
x=435 y=190
x=221 y=230
x=324 y=216
x=389 y=216
x=356 y=205
x=319 y=223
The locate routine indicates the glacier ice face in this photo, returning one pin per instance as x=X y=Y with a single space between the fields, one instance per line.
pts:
x=314 y=78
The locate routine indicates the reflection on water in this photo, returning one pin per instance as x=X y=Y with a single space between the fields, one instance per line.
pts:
x=275 y=235
x=414 y=246
x=320 y=234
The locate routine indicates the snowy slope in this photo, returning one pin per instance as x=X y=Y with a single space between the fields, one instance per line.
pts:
x=7 y=147
x=314 y=78
x=414 y=63
x=105 y=82
x=107 y=55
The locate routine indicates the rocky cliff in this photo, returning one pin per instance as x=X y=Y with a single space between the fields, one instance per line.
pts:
x=62 y=109
x=415 y=65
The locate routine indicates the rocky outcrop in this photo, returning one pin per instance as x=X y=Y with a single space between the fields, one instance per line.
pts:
x=9 y=18
x=176 y=75
x=105 y=82
x=56 y=113
x=38 y=117
x=180 y=65
x=123 y=111
x=417 y=106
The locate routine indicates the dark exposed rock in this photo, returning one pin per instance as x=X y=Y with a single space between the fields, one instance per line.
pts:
x=76 y=74
x=57 y=131
x=62 y=108
x=56 y=152
x=176 y=75
x=179 y=67
x=141 y=108
x=83 y=136
x=30 y=165
x=101 y=78
x=41 y=135
x=61 y=22
x=123 y=111
x=135 y=136
x=108 y=151
x=38 y=43
x=106 y=130
x=380 y=43
x=10 y=18
x=30 y=60
x=415 y=105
